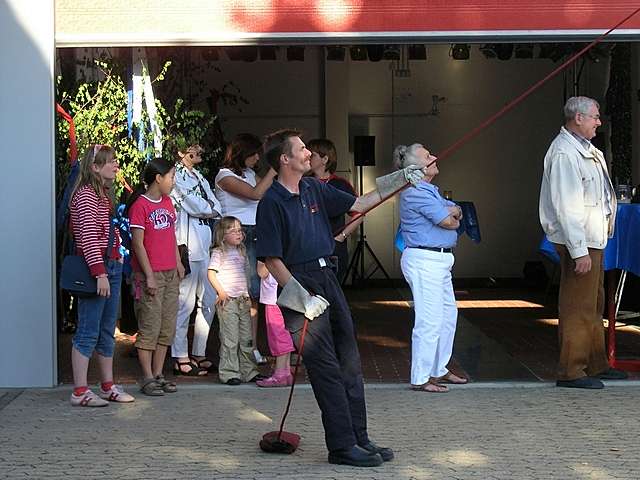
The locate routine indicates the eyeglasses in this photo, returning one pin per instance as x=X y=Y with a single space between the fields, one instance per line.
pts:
x=233 y=230
x=595 y=117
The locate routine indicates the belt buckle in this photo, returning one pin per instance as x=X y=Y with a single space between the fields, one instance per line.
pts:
x=322 y=262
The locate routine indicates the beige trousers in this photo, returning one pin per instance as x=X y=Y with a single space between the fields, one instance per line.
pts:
x=236 y=347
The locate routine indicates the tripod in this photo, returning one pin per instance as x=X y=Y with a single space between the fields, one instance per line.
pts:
x=356 y=264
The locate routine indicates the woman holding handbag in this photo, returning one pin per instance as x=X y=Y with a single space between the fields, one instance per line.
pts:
x=91 y=210
x=195 y=206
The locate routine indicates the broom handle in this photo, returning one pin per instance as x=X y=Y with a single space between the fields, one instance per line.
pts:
x=295 y=374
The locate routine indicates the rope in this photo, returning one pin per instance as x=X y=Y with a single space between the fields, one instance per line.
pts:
x=447 y=152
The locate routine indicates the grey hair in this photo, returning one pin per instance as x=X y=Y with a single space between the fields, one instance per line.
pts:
x=404 y=155
x=577 y=105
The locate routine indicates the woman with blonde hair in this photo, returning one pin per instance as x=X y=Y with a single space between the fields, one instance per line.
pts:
x=91 y=210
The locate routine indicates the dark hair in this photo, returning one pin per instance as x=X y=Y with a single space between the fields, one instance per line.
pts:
x=277 y=143
x=243 y=146
x=157 y=166
x=325 y=148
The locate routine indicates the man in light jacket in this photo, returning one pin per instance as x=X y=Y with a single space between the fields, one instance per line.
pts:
x=577 y=213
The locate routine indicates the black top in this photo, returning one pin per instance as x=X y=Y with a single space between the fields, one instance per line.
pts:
x=296 y=227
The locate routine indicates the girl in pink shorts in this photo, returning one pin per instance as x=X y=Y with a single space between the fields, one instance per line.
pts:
x=278 y=336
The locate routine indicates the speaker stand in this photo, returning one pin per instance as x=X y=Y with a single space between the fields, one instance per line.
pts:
x=357 y=263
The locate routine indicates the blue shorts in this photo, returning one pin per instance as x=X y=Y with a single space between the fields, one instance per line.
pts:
x=97 y=317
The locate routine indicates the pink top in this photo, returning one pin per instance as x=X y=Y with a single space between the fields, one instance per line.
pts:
x=268 y=290
x=157 y=218
x=231 y=269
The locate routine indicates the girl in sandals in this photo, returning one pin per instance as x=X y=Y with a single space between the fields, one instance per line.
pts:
x=228 y=273
x=91 y=209
x=157 y=272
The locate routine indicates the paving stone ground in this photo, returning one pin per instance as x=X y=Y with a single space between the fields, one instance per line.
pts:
x=478 y=431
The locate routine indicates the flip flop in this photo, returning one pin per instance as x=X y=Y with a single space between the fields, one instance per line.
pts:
x=449 y=378
x=430 y=387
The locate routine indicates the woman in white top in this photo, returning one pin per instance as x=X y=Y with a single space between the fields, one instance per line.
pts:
x=195 y=205
x=239 y=190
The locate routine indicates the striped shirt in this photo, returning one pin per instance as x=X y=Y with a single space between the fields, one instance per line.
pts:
x=90 y=217
x=231 y=269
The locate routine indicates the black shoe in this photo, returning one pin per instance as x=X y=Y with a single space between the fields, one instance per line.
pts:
x=356 y=457
x=385 y=453
x=584 y=382
x=258 y=377
x=233 y=381
x=613 y=374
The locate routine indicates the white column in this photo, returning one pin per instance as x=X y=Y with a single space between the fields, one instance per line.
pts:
x=27 y=294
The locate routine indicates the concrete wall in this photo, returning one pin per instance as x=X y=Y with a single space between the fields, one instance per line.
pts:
x=499 y=171
x=280 y=94
x=27 y=296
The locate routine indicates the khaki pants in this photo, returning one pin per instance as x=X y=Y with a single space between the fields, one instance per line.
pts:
x=236 y=346
x=580 y=308
x=156 y=314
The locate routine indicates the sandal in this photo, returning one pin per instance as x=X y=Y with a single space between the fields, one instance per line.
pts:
x=430 y=387
x=166 y=385
x=452 y=379
x=194 y=370
x=151 y=387
x=204 y=364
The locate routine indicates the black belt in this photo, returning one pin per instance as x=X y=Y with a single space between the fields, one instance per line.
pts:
x=317 y=264
x=435 y=249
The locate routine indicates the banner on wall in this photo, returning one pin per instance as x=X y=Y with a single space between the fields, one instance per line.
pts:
x=193 y=22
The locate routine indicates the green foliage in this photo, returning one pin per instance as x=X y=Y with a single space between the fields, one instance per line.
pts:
x=99 y=110
x=185 y=128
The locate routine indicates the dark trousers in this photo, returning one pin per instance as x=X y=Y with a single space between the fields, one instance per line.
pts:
x=580 y=308
x=341 y=252
x=332 y=360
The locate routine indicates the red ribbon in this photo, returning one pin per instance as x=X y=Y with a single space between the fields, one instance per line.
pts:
x=73 y=148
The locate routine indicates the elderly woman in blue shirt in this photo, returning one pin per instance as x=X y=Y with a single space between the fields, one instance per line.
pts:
x=428 y=223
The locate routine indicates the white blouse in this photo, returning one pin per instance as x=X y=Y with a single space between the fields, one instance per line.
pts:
x=244 y=209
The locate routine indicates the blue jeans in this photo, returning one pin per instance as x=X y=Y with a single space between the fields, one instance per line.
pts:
x=97 y=317
x=250 y=241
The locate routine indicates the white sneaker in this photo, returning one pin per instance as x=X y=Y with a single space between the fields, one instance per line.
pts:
x=260 y=360
x=87 y=399
x=115 y=394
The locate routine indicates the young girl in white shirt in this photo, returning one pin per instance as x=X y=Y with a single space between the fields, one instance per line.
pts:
x=228 y=270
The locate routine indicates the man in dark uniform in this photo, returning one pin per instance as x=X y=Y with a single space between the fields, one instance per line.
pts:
x=295 y=241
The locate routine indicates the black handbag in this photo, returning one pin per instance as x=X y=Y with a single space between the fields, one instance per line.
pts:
x=75 y=276
x=183 y=250
x=184 y=258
